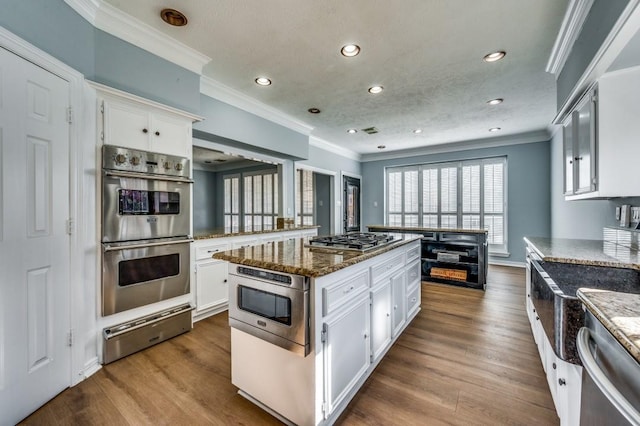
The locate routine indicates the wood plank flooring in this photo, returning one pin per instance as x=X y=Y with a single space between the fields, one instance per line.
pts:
x=467 y=359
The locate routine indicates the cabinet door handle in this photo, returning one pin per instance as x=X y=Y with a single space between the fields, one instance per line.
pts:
x=157 y=133
x=224 y=281
x=366 y=336
x=348 y=290
x=537 y=318
x=145 y=131
x=562 y=382
x=395 y=307
x=414 y=299
x=554 y=365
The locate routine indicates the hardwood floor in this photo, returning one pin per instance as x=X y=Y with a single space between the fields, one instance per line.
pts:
x=467 y=359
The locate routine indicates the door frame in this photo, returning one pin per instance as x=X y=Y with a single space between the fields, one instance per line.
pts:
x=356 y=176
x=78 y=318
x=336 y=221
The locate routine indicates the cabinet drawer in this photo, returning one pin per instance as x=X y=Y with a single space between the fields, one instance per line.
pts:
x=413 y=300
x=206 y=251
x=381 y=270
x=414 y=272
x=454 y=236
x=413 y=253
x=337 y=294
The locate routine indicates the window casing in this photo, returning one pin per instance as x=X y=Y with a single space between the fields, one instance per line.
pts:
x=258 y=204
x=465 y=194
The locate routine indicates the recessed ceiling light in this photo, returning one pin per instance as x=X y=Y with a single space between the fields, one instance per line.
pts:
x=314 y=110
x=375 y=89
x=350 y=50
x=352 y=131
x=494 y=56
x=417 y=131
x=495 y=101
x=495 y=129
x=381 y=147
x=173 y=17
x=263 y=81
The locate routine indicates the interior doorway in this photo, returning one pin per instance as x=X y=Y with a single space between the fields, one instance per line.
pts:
x=351 y=202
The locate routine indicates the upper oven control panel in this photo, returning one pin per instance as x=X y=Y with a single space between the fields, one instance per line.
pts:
x=131 y=160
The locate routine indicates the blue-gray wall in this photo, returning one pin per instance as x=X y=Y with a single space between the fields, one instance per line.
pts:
x=602 y=16
x=581 y=219
x=528 y=200
x=248 y=129
x=327 y=160
x=57 y=29
x=204 y=201
x=323 y=203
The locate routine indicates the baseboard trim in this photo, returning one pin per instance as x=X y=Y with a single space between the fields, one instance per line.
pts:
x=91 y=367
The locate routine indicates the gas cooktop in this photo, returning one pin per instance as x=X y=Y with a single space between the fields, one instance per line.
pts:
x=357 y=241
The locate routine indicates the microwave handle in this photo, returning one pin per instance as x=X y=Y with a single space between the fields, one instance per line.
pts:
x=134 y=175
x=106 y=247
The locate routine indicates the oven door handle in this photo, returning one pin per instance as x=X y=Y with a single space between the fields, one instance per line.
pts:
x=600 y=379
x=107 y=247
x=134 y=175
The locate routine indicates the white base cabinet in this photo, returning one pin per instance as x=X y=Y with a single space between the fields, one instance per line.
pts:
x=212 y=288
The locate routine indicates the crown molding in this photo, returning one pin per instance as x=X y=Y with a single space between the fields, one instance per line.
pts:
x=522 y=138
x=215 y=89
x=117 y=23
x=328 y=146
x=574 y=18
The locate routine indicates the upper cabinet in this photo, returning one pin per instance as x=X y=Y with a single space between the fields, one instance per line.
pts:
x=600 y=137
x=133 y=122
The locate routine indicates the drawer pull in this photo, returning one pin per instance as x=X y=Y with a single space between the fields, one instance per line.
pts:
x=414 y=299
x=213 y=251
x=348 y=290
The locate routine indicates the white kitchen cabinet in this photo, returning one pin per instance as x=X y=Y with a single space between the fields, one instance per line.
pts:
x=569 y=392
x=133 y=122
x=399 y=299
x=212 y=289
x=602 y=126
x=346 y=350
x=380 y=319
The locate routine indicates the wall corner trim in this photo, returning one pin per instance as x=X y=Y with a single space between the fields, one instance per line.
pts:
x=216 y=90
x=328 y=146
x=117 y=23
x=574 y=19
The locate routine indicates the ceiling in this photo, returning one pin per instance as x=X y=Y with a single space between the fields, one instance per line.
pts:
x=427 y=54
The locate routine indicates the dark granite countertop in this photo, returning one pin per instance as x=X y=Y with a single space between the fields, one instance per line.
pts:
x=619 y=313
x=373 y=228
x=293 y=257
x=585 y=252
x=221 y=233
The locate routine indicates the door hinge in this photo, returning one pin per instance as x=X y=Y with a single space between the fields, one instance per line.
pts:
x=69 y=115
x=70 y=226
x=70 y=338
x=323 y=333
x=102 y=107
x=325 y=409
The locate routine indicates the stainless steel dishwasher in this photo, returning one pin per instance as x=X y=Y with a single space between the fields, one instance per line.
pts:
x=611 y=378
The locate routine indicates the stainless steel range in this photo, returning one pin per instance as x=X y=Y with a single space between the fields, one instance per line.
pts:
x=356 y=241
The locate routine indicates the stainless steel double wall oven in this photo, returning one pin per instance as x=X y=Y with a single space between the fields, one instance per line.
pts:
x=146 y=211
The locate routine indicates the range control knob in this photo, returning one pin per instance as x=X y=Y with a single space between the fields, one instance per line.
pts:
x=179 y=167
x=120 y=159
x=167 y=165
x=135 y=161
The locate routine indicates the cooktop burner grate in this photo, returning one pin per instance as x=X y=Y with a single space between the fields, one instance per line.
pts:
x=360 y=241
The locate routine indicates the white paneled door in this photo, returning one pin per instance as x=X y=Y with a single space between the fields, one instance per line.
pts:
x=35 y=357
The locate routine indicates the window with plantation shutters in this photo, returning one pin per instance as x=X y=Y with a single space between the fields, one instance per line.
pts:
x=304 y=197
x=259 y=201
x=466 y=194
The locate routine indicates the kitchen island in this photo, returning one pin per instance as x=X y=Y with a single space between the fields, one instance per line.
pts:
x=305 y=365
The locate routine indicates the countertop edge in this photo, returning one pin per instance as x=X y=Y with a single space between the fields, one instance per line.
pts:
x=619 y=334
x=409 y=229
x=244 y=234
x=311 y=273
